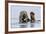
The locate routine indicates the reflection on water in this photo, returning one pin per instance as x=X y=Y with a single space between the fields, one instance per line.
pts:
x=36 y=24
x=23 y=25
x=32 y=25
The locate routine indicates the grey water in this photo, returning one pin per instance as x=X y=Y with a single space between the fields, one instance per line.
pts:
x=36 y=24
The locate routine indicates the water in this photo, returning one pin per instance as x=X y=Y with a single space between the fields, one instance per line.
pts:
x=16 y=24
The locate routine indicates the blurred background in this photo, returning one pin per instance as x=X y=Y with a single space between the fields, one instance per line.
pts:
x=2 y=17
